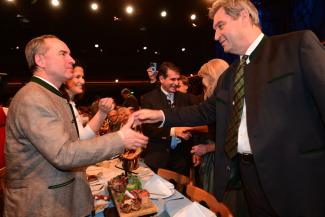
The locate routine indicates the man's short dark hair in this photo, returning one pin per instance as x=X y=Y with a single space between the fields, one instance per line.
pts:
x=163 y=68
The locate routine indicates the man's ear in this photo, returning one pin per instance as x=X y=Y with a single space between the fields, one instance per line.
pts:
x=161 y=78
x=39 y=60
x=245 y=15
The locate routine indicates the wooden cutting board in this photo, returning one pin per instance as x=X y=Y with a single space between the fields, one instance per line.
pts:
x=143 y=211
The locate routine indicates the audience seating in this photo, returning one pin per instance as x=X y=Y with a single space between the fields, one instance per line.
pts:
x=179 y=180
x=201 y=196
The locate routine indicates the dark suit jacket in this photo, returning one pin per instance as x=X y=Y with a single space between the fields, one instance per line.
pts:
x=285 y=102
x=158 y=153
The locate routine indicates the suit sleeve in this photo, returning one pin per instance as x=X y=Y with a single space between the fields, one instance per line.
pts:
x=42 y=126
x=153 y=131
x=201 y=114
x=312 y=61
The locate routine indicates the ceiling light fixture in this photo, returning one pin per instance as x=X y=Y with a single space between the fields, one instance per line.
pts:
x=96 y=46
x=94 y=6
x=129 y=9
x=163 y=14
x=183 y=49
x=55 y=3
x=193 y=17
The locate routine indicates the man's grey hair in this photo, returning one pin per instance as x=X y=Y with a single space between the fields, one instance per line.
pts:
x=233 y=8
x=36 y=46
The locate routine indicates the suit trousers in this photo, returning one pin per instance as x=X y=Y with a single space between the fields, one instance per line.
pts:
x=258 y=204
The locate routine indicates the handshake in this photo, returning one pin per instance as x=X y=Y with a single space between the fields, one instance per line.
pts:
x=132 y=139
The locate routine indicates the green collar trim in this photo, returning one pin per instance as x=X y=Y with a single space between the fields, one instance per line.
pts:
x=46 y=85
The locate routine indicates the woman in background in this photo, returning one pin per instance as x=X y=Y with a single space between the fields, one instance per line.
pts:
x=74 y=87
x=233 y=198
x=210 y=73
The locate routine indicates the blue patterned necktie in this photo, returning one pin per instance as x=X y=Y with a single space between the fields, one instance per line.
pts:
x=238 y=95
x=174 y=140
x=170 y=100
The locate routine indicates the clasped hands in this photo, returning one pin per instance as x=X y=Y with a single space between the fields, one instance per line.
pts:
x=131 y=138
x=183 y=132
x=106 y=105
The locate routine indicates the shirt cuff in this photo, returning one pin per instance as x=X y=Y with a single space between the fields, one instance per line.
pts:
x=86 y=133
x=172 y=131
x=163 y=121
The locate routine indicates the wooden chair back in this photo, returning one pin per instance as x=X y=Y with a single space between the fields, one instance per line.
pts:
x=199 y=195
x=180 y=180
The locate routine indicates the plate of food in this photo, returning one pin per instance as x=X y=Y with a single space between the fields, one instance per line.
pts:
x=93 y=173
x=100 y=205
x=101 y=202
x=129 y=197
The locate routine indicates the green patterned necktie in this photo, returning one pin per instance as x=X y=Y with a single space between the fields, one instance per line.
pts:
x=238 y=95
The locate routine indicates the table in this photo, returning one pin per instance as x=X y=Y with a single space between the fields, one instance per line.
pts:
x=108 y=169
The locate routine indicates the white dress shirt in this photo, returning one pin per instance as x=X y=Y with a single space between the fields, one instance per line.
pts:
x=169 y=96
x=84 y=132
x=243 y=140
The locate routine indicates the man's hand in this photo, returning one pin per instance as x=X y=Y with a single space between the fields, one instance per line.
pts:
x=105 y=105
x=183 y=132
x=152 y=76
x=147 y=116
x=196 y=160
x=132 y=139
x=202 y=149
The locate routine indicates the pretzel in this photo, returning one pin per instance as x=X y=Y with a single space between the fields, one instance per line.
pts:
x=132 y=154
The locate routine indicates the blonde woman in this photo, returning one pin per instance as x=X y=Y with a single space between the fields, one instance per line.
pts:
x=204 y=153
x=233 y=198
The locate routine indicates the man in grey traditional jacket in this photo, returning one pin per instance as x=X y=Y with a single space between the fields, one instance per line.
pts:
x=44 y=157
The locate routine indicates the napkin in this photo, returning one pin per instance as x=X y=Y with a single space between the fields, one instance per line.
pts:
x=159 y=187
x=94 y=170
x=98 y=186
x=167 y=183
x=194 y=209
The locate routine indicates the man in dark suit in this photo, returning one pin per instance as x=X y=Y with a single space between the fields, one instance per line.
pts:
x=281 y=136
x=167 y=147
